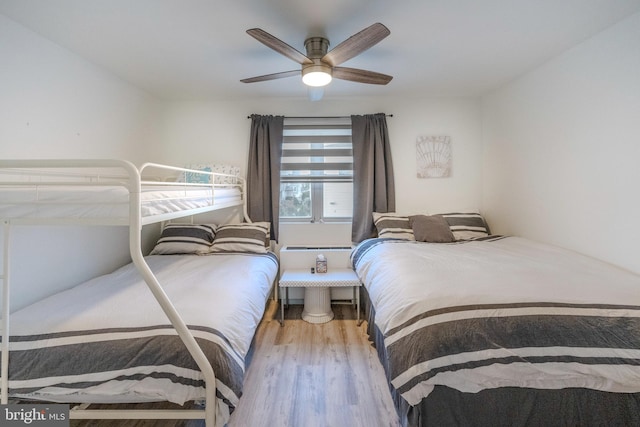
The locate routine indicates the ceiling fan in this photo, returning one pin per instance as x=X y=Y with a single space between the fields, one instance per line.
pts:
x=320 y=65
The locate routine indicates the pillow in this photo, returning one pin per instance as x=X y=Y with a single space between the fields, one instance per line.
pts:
x=466 y=226
x=245 y=237
x=185 y=239
x=226 y=169
x=393 y=225
x=433 y=229
x=199 y=178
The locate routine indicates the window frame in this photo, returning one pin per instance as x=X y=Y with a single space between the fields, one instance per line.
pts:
x=317 y=189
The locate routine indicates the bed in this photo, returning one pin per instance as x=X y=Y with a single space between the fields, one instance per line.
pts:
x=108 y=341
x=174 y=326
x=496 y=331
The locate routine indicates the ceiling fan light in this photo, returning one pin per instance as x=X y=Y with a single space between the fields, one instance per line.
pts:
x=316 y=76
x=316 y=79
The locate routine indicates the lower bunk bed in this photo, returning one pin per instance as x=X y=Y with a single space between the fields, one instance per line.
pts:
x=175 y=332
x=502 y=331
x=108 y=341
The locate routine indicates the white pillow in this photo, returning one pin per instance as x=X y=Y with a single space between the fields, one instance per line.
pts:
x=199 y=178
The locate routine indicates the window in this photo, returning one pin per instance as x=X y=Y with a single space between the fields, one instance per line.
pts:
x=316 y=179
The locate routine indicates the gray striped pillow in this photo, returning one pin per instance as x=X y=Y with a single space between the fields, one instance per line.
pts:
x=466 y=226
x=393 y=225
x=185 y=239
x=245 y=237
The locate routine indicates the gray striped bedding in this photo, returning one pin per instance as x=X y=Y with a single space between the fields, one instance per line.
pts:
x=108 y=341
x=503 y=316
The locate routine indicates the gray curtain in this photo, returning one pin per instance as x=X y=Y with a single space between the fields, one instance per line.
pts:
x=373 y=183
x=263 y=171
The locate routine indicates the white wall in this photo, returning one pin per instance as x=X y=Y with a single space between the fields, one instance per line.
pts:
x=219 y=131
x=55 y=104
x=460 y=119
x=562 y=149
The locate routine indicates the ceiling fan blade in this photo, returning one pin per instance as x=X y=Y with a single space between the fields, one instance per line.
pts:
x=279 y=46
x=356 y=44
x=361 y=76
x=273 y=76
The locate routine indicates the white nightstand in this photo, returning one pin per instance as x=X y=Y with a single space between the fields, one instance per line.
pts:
x=317 y=296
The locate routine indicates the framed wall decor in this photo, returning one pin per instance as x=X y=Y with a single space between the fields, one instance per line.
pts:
x=433 y=156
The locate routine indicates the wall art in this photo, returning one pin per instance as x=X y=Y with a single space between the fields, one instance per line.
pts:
x=433 y=155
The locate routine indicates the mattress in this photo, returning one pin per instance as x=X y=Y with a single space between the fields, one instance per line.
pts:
x=108 y=201
x=504 y=313
x=108 y=341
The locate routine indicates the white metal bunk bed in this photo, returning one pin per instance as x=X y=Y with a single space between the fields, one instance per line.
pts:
x=131 y=202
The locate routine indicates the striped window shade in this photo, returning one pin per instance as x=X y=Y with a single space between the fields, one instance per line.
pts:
x=317 y=152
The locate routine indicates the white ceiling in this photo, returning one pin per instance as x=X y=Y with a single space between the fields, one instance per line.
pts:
x=198 y=49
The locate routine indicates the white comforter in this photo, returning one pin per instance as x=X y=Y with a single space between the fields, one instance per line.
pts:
x=507 y=312
x=220 y=297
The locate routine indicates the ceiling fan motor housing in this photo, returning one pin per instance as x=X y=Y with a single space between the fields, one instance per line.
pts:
x=316 y=47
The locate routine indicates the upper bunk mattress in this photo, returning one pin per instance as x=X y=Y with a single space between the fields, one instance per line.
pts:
x=93 y=202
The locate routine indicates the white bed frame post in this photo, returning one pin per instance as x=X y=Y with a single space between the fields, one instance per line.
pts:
x=135 y=245
x=245 y=201
x=4 y=391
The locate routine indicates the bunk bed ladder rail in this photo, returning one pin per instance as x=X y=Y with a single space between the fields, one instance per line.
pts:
x=135 y=245
x=4 y=369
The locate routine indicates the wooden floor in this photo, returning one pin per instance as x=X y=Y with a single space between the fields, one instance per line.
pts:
x=305 y=375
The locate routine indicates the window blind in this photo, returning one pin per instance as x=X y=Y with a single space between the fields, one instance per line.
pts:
x=319 y=150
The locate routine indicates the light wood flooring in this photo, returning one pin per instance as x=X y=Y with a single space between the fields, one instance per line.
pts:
x=304 y=375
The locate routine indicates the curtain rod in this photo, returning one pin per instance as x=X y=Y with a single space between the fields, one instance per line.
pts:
x=321 y=117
